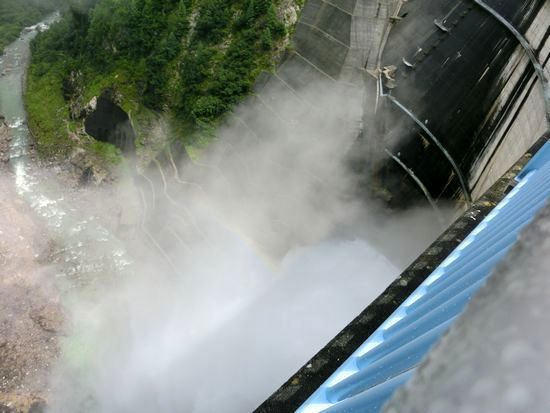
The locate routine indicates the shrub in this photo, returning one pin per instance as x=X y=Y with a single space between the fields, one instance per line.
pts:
x=207 y=108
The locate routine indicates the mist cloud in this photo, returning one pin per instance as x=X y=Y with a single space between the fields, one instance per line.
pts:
x=274 y=256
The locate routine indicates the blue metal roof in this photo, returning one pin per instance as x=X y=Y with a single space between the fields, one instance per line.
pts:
x=389 y=357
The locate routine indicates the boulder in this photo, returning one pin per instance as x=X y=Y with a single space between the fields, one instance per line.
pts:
x=88 y=167
x=5 y=139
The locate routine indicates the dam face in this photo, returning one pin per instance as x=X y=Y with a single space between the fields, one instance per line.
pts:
x=464 y=75
x=466 y=100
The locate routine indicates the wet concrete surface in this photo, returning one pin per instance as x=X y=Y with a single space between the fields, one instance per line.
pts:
x=449 y=79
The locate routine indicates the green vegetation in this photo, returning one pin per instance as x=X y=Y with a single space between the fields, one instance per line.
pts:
x=17 y=14
x=49 y=113
x=110 y=154
x=191 y=60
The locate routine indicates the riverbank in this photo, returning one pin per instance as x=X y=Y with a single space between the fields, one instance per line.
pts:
x=30 y=310
x=17 y=14
x=43 y=234
x=4 y=143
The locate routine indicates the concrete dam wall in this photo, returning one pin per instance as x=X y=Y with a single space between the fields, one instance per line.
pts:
x=521 y=104
x=464 y=75
x=452 y=65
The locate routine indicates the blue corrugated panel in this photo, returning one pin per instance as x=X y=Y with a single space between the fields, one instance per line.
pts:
x=389 y=357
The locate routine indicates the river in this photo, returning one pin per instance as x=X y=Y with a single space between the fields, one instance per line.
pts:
x=68 y=223
x=54 y=249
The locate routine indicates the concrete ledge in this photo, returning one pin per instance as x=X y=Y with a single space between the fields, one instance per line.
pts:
x=301 y=385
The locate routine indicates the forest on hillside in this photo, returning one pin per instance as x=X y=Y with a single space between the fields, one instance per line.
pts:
x=17 y=14
x=191 y=60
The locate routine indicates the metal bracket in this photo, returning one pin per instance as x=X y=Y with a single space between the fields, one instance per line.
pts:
x=419 y=183
x=394 y=19
x=441 y=26
x=465 y=190
x=407 y=63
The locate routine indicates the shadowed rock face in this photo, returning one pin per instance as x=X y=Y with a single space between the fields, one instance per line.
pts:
x=109 y=123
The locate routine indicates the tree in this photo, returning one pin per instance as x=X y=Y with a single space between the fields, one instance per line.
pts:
x=276 y=27
x=206 y=108
x=213 y=19
x=261 y=7
x=250 y=14
x=266 y=41
x=181 y=23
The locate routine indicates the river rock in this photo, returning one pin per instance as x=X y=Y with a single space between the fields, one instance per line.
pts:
x=73 y=92
x=88 y=167
x=48 y=317
x=18 y=403
x=5 y=139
